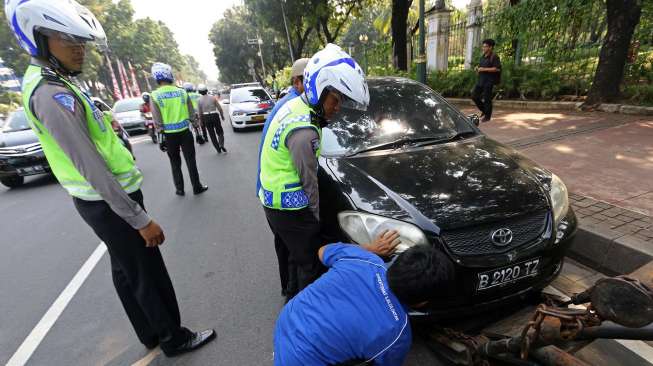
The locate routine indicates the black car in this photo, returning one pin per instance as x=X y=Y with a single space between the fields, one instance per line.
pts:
x=414 y=163
x=21 y=154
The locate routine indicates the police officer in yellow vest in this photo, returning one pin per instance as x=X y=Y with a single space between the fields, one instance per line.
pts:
x=95 y=168
x=291 y=148
x=172 y=112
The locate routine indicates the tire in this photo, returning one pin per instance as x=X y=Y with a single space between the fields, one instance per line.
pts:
x=13 y=182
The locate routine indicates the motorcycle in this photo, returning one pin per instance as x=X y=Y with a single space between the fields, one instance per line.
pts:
x=151 y=129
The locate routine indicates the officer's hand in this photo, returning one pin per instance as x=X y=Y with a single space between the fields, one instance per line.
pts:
x=163 y=146
x=385 y=244
x=153 y=234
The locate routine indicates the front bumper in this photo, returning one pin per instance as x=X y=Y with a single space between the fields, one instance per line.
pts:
x=134 y=125
x=24 y=165
x=245 y=121
x=465 y=299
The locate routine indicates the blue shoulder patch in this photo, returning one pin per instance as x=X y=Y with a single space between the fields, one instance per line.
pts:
x=66 y=100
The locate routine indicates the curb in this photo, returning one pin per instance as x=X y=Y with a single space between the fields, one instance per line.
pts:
x=566 y=106
x=609 y=251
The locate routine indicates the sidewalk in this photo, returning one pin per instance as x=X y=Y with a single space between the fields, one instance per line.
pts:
x=606 y=160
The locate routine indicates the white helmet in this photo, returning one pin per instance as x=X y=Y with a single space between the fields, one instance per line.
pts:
x=189 y=87
x=202 y=88
x=333 y=69
x=162 y=72
x=31 y=20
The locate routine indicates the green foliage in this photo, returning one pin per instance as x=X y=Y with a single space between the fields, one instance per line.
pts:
x=452 y=83
x=639 y=94
x=9 y=101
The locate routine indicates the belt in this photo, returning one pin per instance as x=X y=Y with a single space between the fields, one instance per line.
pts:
x=214 y=112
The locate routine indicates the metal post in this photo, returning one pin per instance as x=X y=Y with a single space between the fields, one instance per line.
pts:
x=421 y=58
x=260 y=53
x=285 y=24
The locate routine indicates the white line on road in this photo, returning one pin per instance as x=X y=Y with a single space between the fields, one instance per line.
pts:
x=148 y=358
x=39 y=332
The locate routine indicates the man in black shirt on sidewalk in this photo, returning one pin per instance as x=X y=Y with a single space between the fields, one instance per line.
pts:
x=489 y=74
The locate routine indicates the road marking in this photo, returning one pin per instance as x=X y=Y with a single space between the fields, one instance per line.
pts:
x=138 y=140
x=41 y=329
x=148 y=358
x=639 y=348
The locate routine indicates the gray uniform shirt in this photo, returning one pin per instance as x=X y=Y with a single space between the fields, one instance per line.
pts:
x=303 y=143
x=70 y=130
x=158 y=119
x=209 y=104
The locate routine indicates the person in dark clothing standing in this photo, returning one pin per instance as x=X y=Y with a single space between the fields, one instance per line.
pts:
x=95 y=168
x=172 y=110
x=489 y=71
x=210 y=115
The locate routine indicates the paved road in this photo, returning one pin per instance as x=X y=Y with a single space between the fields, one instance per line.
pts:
x=218 y=250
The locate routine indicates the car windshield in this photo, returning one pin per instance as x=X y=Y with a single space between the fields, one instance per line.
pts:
x=400 y=111
x=128 y=105
x=17 y=122
x=244 y=95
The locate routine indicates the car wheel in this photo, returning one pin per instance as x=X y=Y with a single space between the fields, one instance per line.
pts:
x=235 y=129
x=13 y=182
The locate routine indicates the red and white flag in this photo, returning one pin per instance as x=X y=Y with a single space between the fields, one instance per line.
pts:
x=126 y=90
x=135 y=88
x=116 y=89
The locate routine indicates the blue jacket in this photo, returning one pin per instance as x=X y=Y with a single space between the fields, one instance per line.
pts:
x=349 y=313
x=292 y=94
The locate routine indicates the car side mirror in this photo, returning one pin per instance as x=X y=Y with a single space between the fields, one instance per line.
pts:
x=475 y=119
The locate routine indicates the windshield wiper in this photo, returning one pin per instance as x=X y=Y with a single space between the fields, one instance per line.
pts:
x=456 y=136
x=395 y=144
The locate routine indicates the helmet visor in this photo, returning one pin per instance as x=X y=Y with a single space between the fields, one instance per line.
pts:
x=71 y=41
x=349 y=103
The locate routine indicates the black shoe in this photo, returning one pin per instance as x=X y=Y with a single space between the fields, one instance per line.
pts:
x=224 y=150
x=219 y=150
x=200 y=190
x=486 y=119
x=180 y=192
x=152 y=344
x=195 y=340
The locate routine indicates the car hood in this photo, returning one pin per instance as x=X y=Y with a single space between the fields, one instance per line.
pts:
x=136 y=114
x=444 y=186
x=17 y=138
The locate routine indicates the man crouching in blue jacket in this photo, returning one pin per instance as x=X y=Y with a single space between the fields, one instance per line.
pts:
x=356 y=313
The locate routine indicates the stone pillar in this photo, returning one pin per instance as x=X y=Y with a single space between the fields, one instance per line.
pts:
x=437 y=40
x=474 y=26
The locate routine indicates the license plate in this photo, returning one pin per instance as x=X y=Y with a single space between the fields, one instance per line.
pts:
x=258 y=118
x=506 y=275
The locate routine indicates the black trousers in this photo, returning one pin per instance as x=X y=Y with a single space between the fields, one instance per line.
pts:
x=214 y=126
x=297 y=239
x=182 y=140
x=139 y=274
x=482 y=97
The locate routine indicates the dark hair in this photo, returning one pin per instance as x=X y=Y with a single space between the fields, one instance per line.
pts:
x=419 y=272
x=490 y=42
x=203 y=92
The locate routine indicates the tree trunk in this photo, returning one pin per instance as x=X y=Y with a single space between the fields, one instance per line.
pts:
x=622 y=18
x=400 y=10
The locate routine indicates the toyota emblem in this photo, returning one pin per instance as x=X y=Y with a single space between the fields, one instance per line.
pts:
x=501 y=237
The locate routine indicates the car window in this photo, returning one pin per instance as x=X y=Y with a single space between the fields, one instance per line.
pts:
x=399 y=108
x=243 y=95
x=17 y=122
x=128 y=105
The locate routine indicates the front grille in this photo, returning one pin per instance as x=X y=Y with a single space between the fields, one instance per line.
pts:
x=21 y=150
x=477 y=240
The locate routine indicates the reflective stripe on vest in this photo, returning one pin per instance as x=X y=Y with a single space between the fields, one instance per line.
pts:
x=118 y=159
x=280 y=182
x=173 y=105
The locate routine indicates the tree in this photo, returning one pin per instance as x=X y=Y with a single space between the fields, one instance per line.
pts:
x=400 y=10
x=11 y=53
x=622 y=17
x=331 y=16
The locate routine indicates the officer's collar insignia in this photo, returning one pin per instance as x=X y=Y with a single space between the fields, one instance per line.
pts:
x=66 y=100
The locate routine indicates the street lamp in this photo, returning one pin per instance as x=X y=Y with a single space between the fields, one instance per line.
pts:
x=364 y=38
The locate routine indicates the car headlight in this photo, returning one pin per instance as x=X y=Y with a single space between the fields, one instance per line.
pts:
x=559 y=198
x=362 y=228
x=238 y=114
